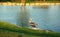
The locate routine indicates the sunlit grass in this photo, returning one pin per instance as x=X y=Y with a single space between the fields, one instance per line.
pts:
x=29 y=4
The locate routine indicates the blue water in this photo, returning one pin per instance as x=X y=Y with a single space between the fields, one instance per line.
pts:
x=48 y=19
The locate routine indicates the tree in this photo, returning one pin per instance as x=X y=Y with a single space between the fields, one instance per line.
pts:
x=5 y=0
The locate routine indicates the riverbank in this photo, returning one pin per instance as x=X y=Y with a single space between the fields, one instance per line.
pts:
x=11 y=30
x=28 y=4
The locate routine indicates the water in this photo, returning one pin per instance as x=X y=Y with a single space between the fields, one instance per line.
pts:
x=47 y=19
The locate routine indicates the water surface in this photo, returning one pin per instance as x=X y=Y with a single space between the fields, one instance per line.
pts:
x=47 y=18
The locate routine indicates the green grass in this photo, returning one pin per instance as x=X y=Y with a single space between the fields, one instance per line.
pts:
x=8 y=29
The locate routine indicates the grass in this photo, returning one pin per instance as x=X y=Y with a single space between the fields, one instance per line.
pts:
x=15 y=31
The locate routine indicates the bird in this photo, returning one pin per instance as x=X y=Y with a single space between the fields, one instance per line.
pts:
x=33 y=24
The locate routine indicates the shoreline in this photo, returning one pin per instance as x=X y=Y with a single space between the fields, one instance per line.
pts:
x=27 y=4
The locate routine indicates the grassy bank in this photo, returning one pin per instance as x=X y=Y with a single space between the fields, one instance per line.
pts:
x=8 y=29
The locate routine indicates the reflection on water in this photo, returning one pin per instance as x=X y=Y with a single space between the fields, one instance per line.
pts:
x=46 y=18
x=23 y=17
x=41 y=7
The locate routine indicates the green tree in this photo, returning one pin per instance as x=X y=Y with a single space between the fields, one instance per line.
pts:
x=4 y=0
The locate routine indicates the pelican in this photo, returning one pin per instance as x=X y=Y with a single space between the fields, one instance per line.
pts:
x=33 y=24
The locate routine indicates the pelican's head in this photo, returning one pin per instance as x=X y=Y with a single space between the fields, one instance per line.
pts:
x=30 y=20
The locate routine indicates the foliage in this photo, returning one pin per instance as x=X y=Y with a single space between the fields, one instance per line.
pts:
x=5 y=0
x=26 y=0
